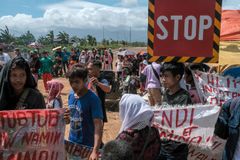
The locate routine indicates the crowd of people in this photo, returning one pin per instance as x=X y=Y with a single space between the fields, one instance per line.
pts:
x=167 y=83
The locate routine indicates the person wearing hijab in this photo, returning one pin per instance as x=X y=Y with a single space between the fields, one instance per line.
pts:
x=136 y=116
x=18 y=87
x=54 y=94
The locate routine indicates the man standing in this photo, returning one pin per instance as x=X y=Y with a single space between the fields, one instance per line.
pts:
x=153 y=86
x=85 y=113
x=65 y=58
x=4 y=57
x=46 y=69
x=83 y=58
x=228 y=128
x=35 y=64
x=98 y=84
x=58 y=61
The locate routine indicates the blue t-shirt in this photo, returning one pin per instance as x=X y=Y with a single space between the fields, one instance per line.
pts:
x=82 y=113
x=65 y=56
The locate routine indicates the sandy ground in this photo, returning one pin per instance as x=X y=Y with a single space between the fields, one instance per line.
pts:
x=229 y=54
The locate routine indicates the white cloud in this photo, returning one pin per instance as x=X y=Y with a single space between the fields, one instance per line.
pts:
x=73 y=14
x=129 y=2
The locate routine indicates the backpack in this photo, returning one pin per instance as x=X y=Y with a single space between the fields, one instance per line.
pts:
x=145 y=143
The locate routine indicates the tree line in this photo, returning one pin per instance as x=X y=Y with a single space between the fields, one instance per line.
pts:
x=60 y=38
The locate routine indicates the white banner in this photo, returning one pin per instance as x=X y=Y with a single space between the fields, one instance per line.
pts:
x=191 y=125
x=214 y=89
x=32 y=135
x=213 y=153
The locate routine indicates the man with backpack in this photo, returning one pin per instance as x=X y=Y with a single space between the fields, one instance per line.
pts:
x=153 y=85
x=228 y=127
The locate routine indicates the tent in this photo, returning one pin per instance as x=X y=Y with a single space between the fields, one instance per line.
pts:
x=230 y=25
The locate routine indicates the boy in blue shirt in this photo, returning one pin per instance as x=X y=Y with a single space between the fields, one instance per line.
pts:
x=86 y=117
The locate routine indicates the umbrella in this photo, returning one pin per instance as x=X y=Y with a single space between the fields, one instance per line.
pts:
x=233 y=72
x=35 y=45
x=126 y=53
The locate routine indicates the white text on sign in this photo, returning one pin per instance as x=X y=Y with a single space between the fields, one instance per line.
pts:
x=204 y=22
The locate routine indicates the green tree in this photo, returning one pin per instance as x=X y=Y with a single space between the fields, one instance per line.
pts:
x=26 y=38
x=63 y=37
x=105 y=42
x=50 y=37
x=43 y=40
x=83 y=42
x=6 y=36
x=92 y=41
x=75 y=39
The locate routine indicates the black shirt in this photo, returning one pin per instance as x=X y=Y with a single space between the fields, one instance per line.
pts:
x=102 y=97
x=181 y=97
x=171 y=148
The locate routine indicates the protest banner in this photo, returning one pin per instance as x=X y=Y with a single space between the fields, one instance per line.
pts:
x=213 y=153
x=215 y=89
x=191 y=125
x=32 y=135
x=75 y=151
x=184 y=34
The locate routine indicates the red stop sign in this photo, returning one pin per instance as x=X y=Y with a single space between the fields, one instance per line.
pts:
x=184 y=28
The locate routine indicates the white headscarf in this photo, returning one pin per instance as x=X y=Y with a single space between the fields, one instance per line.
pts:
x=134 y=112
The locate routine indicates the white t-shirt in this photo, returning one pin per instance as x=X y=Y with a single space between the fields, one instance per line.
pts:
x=83 y=59
x=237 y=150
x=119 y=66
x=4 y=58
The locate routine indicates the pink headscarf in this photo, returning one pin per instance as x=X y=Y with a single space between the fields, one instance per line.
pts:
x=55 y=88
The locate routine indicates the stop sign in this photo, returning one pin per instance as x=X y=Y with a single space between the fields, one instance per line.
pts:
x=183 y=28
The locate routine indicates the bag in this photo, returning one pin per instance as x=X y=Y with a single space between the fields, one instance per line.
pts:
x=145 y=145
x=143 y=78
x=155 y=73
x=143 y=141
x=22 y=99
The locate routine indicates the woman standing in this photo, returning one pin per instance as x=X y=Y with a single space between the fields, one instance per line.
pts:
x=18 y=87
x=107 y=58
x=136 y=116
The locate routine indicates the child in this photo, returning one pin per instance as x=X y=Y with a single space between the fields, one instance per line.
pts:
x=172 y=74
x=86 y=116
x=54 y=95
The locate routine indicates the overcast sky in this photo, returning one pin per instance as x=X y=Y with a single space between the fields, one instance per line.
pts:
x=81 y=17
